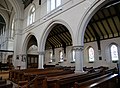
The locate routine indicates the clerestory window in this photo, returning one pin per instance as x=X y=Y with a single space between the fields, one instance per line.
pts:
x=52 y=4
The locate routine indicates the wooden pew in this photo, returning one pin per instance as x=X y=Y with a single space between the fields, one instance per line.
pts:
x=23 y=84
x=67 y=81
x=6 y=85
x=4 y=66
x=105 y=81
x=28 y=74
x=2 y=82
x=37 y=82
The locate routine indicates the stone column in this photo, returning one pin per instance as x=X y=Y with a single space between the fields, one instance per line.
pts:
x=41 y=60
x=78 y=59
x=17 y=39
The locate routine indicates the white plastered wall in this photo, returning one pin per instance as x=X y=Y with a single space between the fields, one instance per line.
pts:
x=75 y=13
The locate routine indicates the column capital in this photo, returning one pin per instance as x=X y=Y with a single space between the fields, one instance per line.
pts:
x=78 y=48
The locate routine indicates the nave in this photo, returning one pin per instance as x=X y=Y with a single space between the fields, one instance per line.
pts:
x=64 y=77
x=74 y=44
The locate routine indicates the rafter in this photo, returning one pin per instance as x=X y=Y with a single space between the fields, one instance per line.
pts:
x=97 y=36
x=114 y=22
x=91 y=33
x=108 y=23
x=103 y=25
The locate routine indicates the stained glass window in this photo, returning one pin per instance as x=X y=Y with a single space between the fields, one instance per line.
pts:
x=91 y=54
x=114 y=52
x=51 y=56
x=61 y=56
x=73 y=55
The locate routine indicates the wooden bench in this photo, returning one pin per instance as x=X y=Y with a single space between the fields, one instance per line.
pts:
x=3 y=82
x=22 y=75
x=105 y=81
x=67 y=81
x=37 y=82
x=6 y=85
x=4 y=66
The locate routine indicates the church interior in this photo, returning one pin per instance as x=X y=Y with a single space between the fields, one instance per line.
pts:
x=59 y=43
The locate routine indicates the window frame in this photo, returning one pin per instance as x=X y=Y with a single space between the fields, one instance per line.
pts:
x=91 y=61
x=13 y=29
x=61 y=60
x=50 y=57
x=114 y=61
x=49 y=4
x=31 y=15
x=73 y=56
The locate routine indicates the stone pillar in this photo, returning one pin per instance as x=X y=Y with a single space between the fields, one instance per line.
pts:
x=41 y=60
x=78 y=59
x=17 y=39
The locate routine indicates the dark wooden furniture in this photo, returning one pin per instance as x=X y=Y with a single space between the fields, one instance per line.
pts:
x=4 y=66
x=105 y=81
x=6 y=85
x=32 y=61
x=67 y=81
x=29 y=74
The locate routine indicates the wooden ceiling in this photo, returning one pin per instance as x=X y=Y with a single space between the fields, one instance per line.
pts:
x=59 y=36
x=105 y=24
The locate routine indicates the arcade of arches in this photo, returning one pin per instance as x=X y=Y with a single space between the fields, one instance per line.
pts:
x=74 y=33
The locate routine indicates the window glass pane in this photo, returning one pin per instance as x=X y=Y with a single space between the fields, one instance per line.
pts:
x=33 y=9
x=51 y=55
x=32 y=15
x=73 y=55
x=30 y=21
x=114 y=53
x=61 y=56
x=58 y=3
x=91 y=55
x=52 y=4
x=13 y=28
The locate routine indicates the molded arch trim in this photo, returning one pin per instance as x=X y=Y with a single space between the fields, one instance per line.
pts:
x=86 y=18
x=47 y=31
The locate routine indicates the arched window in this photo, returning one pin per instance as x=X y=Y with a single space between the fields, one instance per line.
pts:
x=91 y=54
x=114 y=52
x=61 y=56
x=52 y=4
x=31 y=16
x=73 y=55
x=51 y=57
x=13 y=29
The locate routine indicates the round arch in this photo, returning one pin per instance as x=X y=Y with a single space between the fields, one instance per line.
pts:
x=47 y=31
x=86 y=18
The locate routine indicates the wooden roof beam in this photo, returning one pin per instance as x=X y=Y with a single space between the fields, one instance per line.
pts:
x=108 y=24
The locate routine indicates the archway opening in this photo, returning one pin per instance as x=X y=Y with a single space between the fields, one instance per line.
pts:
x=32 y=54
x=57 y=44
x=102 y=29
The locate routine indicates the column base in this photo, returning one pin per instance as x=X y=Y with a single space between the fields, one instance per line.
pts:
x=81 y=72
